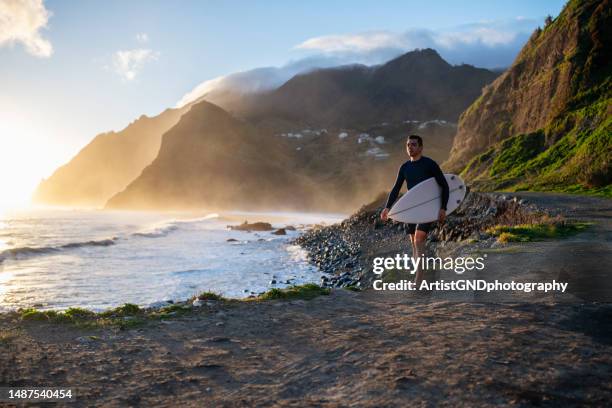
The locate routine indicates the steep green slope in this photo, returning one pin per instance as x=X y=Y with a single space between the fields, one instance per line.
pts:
x=562 y=142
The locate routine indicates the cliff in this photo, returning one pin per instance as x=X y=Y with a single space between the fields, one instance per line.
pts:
x=545 y=123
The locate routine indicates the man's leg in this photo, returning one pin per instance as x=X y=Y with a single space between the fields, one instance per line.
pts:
x=418 y=250
x=411 y=233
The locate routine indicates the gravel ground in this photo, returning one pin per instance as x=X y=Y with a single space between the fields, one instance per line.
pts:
x=361 y=349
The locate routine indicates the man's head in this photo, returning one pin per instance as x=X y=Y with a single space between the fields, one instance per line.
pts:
x=414 y=146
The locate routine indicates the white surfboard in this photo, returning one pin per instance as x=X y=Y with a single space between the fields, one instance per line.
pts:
x=422 y=202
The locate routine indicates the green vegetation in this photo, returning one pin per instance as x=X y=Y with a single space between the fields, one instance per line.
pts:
x=521 y=148
x=571 y=153
x=130 y=315
x=535 y=232
x=125 y=316
x=210 y=296
x=307 y=291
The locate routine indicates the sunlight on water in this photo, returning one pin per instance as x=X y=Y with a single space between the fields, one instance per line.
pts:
x=94 y=259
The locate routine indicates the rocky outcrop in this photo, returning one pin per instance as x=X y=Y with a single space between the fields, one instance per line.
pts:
x=253 y=226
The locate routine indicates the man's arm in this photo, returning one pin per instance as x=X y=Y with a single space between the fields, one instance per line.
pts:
x=439 y=176
x=396 y=188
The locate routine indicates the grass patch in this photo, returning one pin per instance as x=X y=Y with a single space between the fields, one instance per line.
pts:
x=175 y=310
x=536 y=232
x=126 y=310
x=77 y=313
x=126 y=316
x=571 y=154
x=210 y=296
x=130 y=315
x=306 y=292
x=517 y=149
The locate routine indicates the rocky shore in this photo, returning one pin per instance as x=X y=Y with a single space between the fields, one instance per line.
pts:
x=345 y=348
x=346 y=250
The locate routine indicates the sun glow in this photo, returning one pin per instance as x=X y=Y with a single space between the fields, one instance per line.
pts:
x=27 y=154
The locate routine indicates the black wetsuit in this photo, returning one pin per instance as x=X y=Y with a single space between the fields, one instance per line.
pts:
x=414 y=172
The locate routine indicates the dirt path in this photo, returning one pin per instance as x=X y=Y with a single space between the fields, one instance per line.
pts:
x=583 y=260
x=350 y=349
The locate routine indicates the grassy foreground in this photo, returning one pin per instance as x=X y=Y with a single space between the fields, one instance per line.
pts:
x=535 y=232
x=131 y=315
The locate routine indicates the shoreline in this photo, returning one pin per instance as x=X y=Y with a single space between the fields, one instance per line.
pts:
x=350 y=246
x=259 y=257
x=343 y=347
x=336 y=249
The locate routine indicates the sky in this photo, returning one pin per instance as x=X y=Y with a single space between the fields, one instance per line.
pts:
x=72 y=69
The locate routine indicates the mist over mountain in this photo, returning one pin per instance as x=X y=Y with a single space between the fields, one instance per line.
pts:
x=108 y=163
x=214 y=160
x=327 y=139
x=211 y=159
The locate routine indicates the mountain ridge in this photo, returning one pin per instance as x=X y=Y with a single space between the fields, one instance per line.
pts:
x=324 y=159
x=107 y=164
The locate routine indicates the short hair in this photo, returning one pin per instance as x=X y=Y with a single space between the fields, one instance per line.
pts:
x=418 y=138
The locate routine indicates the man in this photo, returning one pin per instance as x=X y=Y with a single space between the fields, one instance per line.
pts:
x=419 y=168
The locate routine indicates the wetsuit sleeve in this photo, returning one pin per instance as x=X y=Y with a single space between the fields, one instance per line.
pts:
x=396 y=188
x=442 y=182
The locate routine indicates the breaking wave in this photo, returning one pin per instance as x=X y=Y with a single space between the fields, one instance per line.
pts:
x=166 y=227
x=27 y=252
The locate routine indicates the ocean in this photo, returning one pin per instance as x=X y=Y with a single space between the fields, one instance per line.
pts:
x=60 y=258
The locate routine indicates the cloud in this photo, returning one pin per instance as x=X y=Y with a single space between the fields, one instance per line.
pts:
x=487 y=44
x=355 y=42
x=418 y=38
x=255 y=80
x=142 y=38
x=258 y=79
x=21 y=22
x=129 y=63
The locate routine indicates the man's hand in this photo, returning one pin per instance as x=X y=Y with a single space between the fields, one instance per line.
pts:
x=384 y=214
x=442 y=215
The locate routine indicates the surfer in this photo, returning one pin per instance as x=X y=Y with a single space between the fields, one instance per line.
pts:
x=417 y=169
